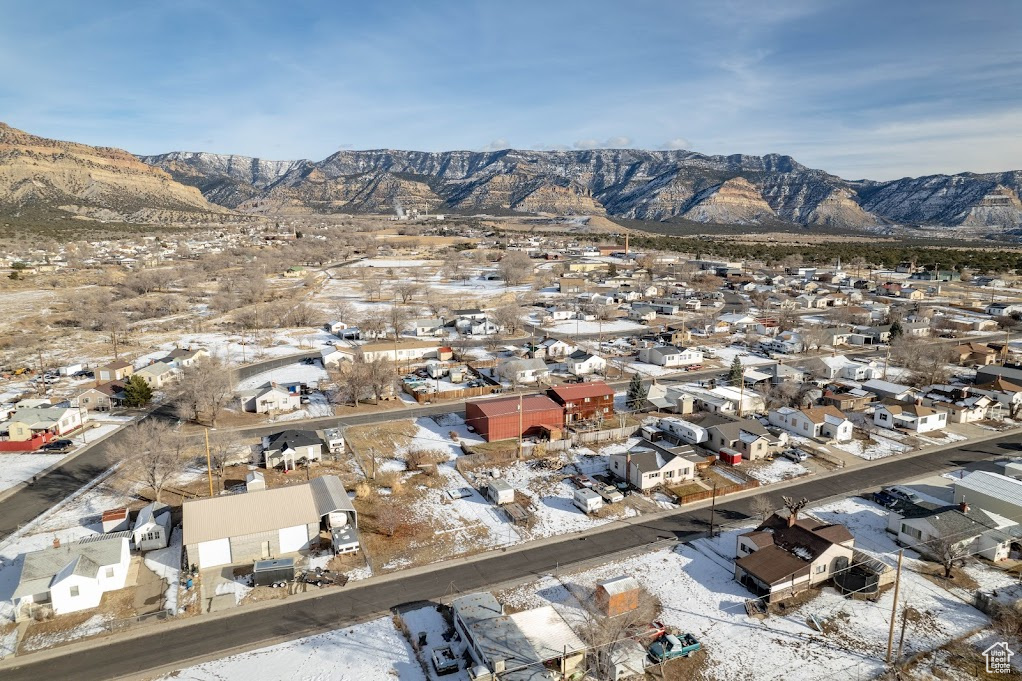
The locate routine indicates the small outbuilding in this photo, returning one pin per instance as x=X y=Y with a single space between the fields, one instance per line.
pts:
x=115 y=520
x=151 y=530
x=617 y=596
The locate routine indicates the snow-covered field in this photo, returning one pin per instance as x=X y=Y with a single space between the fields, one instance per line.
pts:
x=17 y=468
x=777 y=470
x=241 y=348
x=570 y=326
x=878 y=447
x=373 y=651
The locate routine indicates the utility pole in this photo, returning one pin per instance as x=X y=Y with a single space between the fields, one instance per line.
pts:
x=894 y=607
x=741 y=394
x=520 y=403
x=713 y=508
x=209 y=464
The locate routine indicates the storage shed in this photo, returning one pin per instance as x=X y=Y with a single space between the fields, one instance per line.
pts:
x=115 y=520
x=617 y=596
x=152 y=527
x=587 y=500
x=500 y=492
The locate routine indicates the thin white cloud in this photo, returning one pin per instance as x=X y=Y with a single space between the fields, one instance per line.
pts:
x=619 y=142
x=497 y=145
x=676 y=143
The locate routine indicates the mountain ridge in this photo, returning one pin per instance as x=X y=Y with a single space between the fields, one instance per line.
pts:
x=629 y=183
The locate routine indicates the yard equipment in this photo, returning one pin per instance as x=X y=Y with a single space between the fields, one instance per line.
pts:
x=671 y=646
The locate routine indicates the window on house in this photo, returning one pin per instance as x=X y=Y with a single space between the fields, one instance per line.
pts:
x=820 y=569
x=587 y=400
x=759 y=446
x=109 y=572
x=883 y=417
x=654 y=475
x=913 y=532
x=74 y=592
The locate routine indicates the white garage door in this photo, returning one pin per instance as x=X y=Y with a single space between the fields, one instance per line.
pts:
x=293 y=538
x=213 y=553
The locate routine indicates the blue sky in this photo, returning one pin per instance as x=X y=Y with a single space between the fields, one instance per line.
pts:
x=860 y=89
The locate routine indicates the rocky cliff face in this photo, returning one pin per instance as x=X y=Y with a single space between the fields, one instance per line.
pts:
x=645 y=185
x=43 y=176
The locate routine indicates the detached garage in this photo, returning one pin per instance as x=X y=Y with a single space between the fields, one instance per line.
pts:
x=264 y=524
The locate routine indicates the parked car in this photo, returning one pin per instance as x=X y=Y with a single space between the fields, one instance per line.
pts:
x=903 y=493
x=58 y=445
x=694 y=367
x=796 y=455
x=884 y=499
x=670 y=646
x=609 y=493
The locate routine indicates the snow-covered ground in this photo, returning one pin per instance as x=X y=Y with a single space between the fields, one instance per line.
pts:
x=777 y=470
x=310 y=374
x=878 y=447
x=166 y=563
x=430 y=621
x=697 y=590
x=236 y=348
x=570 y=326
x=649 y=369
x=17 y=468
x=727 y=355
x=317 y=406
x=373 y=651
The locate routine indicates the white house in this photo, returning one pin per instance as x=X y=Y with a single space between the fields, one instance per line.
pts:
x=817 y=422
x=72 y=577
x=559 y=313
x=151 y=530
x=551 y=348
x=670 y=356
x=648 y=466
x=912 y=417
x=524 y=371
x=582 y=363
x=269 y=398
x=427 y=327
x=471 y=326
x=925 y=526
x=157 y=374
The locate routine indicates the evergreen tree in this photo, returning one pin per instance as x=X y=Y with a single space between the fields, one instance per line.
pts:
x=137 y=392
x=734 y=375
x=636 y=393
x=896 y=329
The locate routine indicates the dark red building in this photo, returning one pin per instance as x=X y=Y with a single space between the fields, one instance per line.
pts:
x=500 y=419
x=583 y=401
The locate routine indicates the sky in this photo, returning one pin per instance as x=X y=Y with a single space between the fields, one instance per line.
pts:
x=861 y=89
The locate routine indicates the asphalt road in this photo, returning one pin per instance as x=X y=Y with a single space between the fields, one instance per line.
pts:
x=341 y=607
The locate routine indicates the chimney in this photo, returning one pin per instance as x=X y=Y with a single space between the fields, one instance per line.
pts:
x=628 y=466
x=963 y=507
x=792 y=517
x=56 y=542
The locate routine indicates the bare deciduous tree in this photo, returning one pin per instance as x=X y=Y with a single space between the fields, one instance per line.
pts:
x=948 y=552
x=515 y=267
x=152 y=454
x=204 y=390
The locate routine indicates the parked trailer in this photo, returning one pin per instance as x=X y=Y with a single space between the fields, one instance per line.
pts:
x=587 y=500
x=273 y=572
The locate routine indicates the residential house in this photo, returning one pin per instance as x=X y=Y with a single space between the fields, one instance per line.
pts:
x=182 y=358
x=151 y=530
x=914 y=417
x=529 y=644
x=25 y=423
x=887 y=390
x=343 y=330
x=559 y=314
x=71 y=577
x=975 y=354
x=288 y=447
x=117 y=370
x=826 y=423
x=927 y=527
x=852 y=399
x=642 y=313
x=403 y=351
x=507 y=417
x=584 y=401
x=472 y=313
x=269 y=398
x=962 y=404
x=241 y=528
x=748 y=437
x=104 y=397
x=523 y=371
x=670 y=356
x=571 y=284
x=157 y=374
x=786 y=555
x=473 y=326
x=669 y=398
x=550 y=348
x=582 y=363
x=427 y=327
x=1006 y=393
x=648 y=466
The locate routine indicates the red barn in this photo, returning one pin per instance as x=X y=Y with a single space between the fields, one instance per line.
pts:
x=499 y=419
x=583 y=401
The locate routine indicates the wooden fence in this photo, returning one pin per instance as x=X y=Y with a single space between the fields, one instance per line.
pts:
x=423 y=397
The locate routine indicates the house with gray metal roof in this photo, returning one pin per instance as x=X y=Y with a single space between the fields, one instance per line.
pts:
x=240 y=528
x=71 y=577
x=925 y=526
x=991 y=492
